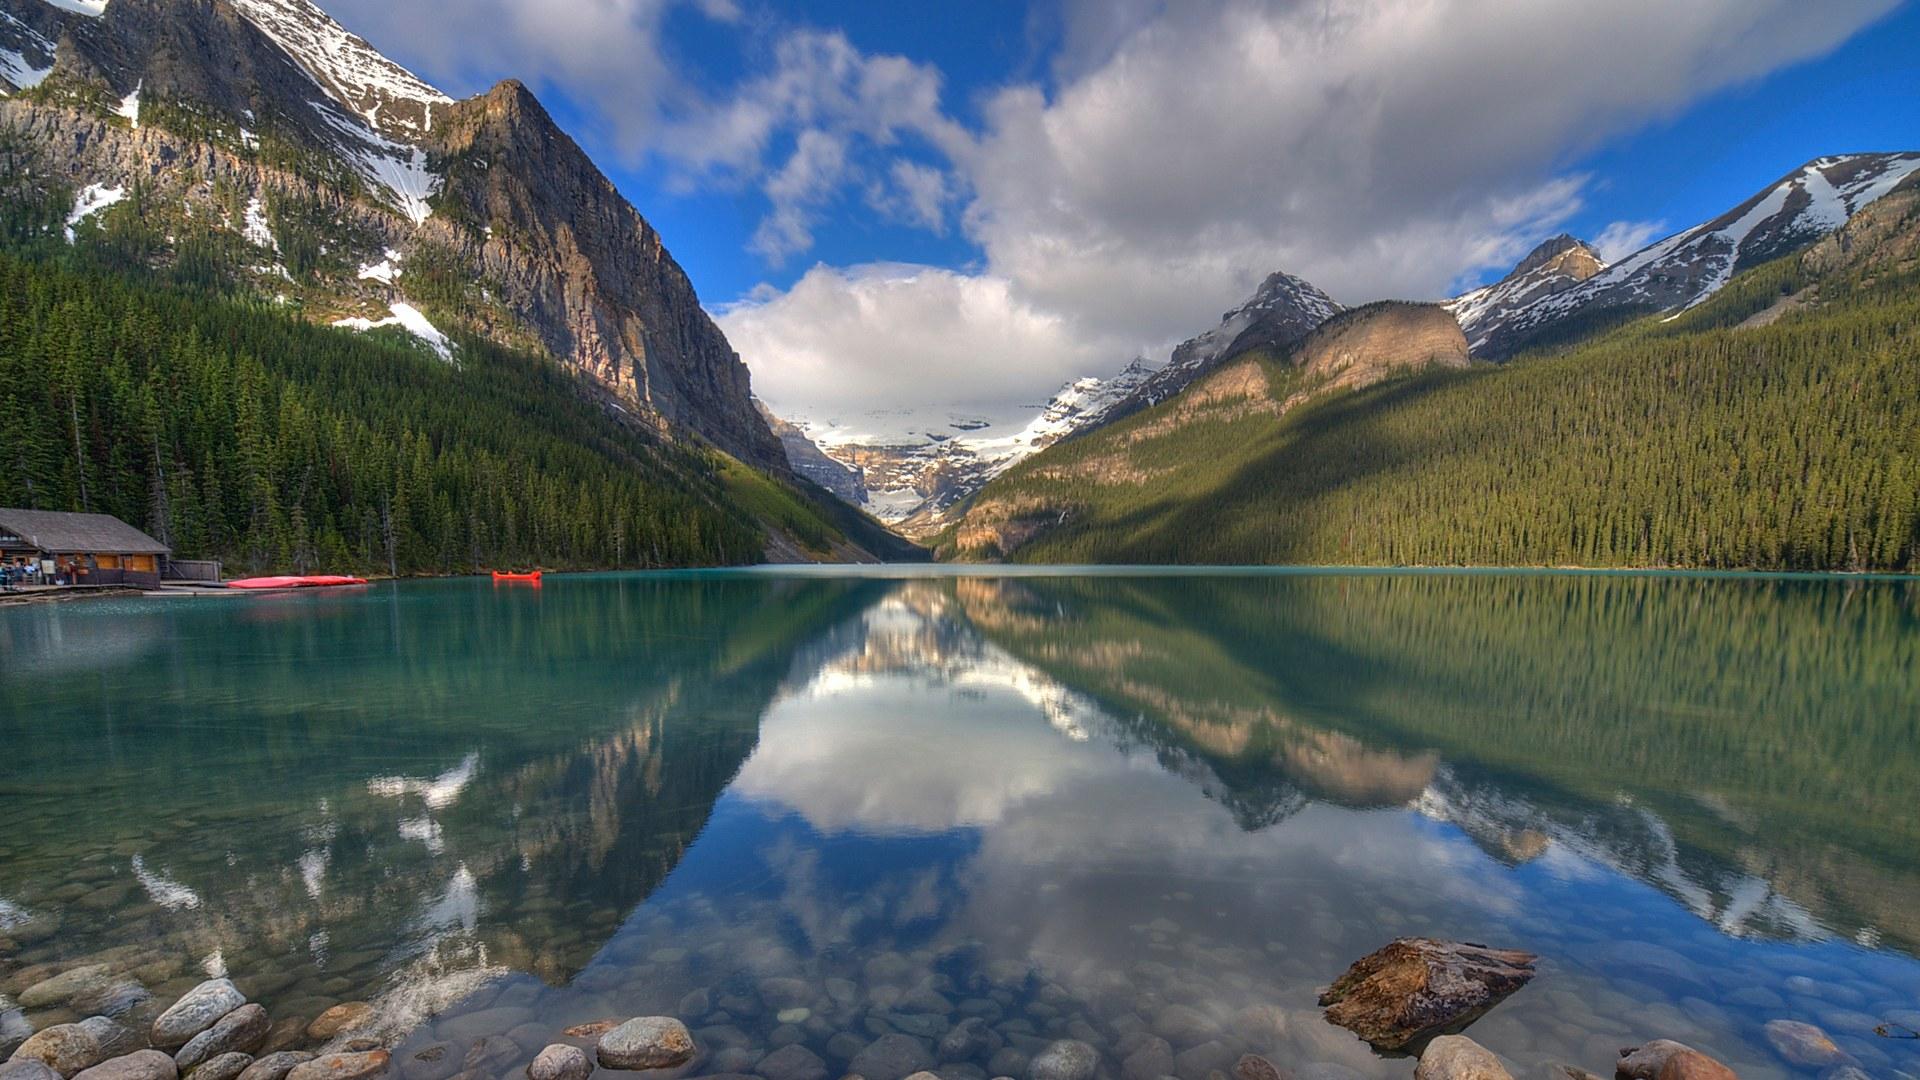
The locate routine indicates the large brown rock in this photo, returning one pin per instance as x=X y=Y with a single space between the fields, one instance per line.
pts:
x=1413 y=988
x=646 y=1042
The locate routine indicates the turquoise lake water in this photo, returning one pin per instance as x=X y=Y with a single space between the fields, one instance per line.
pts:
x=816 y=807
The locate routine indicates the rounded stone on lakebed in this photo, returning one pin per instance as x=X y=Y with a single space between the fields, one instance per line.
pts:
x=354 y=1066
x=1456 y=1057
x=1068 y=1059
x=139 y=1065
x=227 y=1066
x=275 y=1066
x=64 y=987
x=66 y=1048
x=560 y=1061
x=196 y=1011
x=243 y=1030
x=646 y=1042
x=27 y=1069
x=342 y=1017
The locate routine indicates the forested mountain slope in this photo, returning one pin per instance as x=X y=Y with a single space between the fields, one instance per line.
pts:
x=1775 y=426
x=278 y=151
x=232 y=430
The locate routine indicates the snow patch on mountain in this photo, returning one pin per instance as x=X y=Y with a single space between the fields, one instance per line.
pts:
x=25 y=69
x=1685 y=269
x=398 y=169
x=351 y=71
x=408 y=318
x=92 y=199
x=129 y=106
x=91 y=8
x=256 y=228
x=383 y=271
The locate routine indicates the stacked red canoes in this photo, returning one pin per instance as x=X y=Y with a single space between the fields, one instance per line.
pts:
x=508 y=575
x=295 y=581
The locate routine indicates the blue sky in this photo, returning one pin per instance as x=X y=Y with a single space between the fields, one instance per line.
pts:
x=902 y=213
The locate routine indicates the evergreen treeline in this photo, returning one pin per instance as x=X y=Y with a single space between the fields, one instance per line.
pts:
x=1692 y=443
x=232 y=430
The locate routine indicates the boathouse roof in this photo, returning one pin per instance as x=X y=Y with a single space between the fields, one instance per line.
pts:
x=58 y=531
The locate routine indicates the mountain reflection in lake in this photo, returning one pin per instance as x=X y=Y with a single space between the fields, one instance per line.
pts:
x=810 y=810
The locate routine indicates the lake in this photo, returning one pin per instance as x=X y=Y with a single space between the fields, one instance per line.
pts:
x=812 y=807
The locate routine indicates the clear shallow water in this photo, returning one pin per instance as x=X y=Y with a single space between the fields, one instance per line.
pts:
x=1063 y=803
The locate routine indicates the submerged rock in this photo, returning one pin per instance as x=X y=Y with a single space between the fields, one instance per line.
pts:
x=227 y=1066
x=560 y=1061
x=342 y=1017
x=1068 y=1059
x=342 y=1066
x=1664 y=1059
x=1456 y=1057
x=27 y=1069
x=1255 y=1067
x=1416 y=987
x=86 y=981
x=139 y=1065
x=646 y=1042
x=195 y=1012
x=1805 y=1044
x=276 y=1066
x=892 y=1057
x=792 y=1063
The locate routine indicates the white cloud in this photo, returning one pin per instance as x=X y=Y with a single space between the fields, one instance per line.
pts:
x=913 y=194
x=1176 y=154
x=1375 y=147
x=809 y=178
x=842 y=343
x=1622 y=238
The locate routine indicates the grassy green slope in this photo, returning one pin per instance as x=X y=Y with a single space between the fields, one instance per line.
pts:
x=1694 y=442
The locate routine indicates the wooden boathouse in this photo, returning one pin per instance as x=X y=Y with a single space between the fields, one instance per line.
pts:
x=83 y=549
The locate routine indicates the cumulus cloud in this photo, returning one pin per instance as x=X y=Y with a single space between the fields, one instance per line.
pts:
x=1173 y=155
x=844 y=343
x=1377 y=148
x=606 y=54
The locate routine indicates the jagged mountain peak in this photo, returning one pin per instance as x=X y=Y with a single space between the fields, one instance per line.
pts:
x=1688 y=267
x=1562 y=250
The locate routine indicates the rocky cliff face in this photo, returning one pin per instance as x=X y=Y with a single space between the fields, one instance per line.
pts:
x=809 y=461
x=235 y=110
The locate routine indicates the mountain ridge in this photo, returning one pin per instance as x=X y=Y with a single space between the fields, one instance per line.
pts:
x=274 y=100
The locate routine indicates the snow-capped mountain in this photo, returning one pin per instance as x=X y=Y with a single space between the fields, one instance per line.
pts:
x=1555 y=266
x=914 y=483
x=1280 y=312
x=268 y=120
x=1688 y=267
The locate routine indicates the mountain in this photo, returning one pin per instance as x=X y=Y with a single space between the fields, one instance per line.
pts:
x=1280 y=312
x=1554 y=267
x=1536 y=306
x=329 y=175
x=1769 y=426
x=848 y=485
x=915 y=483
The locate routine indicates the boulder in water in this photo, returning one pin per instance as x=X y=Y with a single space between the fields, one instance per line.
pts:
x=1413 y=988
x=646 y=1042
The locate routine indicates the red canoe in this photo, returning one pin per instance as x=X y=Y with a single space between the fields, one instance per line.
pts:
x=299 y=581
x=505 y=575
